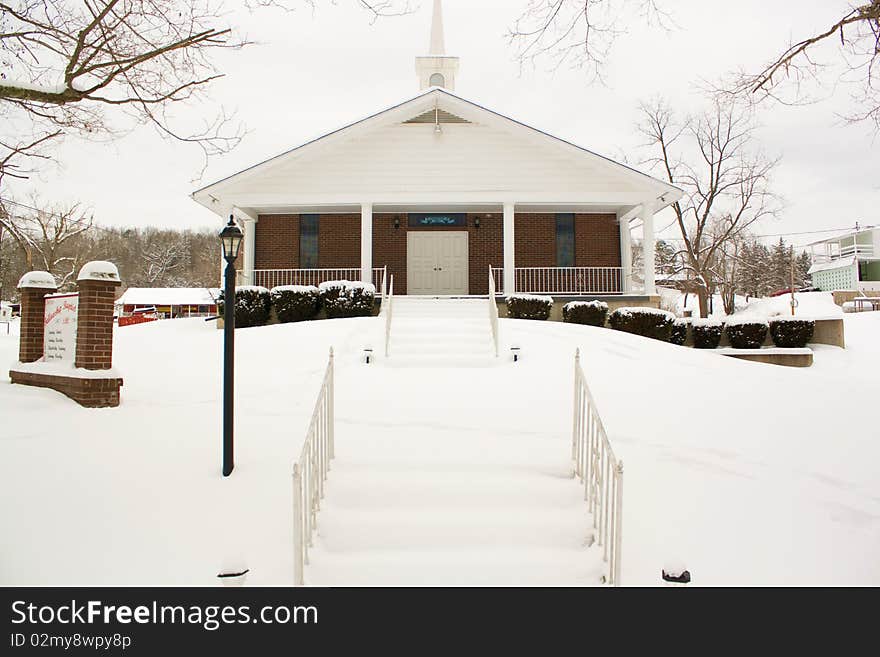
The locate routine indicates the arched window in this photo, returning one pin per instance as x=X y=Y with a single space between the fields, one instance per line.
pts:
x=437 y=80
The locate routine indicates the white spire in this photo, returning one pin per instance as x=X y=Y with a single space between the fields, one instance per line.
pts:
x=437 y=69
x=438 y=43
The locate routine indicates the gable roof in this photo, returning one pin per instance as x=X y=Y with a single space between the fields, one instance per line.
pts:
x=414 y=110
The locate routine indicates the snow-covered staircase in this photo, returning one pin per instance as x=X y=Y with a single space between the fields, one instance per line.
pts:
x=429 y=507
x=441 y=332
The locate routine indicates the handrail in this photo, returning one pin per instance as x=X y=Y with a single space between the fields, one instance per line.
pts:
x=384 y=284
x=390 y=300
x=310 y=473
x=493 y=311
x=600 y=472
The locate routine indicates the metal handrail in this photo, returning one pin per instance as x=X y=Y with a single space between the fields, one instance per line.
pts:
x=388 y=314
x=310 y=473
x=600 y=472
x=493 y=311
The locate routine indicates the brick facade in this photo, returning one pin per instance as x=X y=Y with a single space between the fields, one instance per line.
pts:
x=94 y=324
x=597 y=243
x=32 y=326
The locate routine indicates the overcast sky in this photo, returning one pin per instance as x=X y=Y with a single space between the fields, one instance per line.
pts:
x=314 y=72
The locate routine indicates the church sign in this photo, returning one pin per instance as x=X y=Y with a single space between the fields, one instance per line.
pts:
x=60 y=327
x=420 y=220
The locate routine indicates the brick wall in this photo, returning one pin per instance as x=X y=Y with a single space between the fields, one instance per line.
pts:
x=32 y=326
x=91 y=393
x=389 y=248
x=486 y=248
x=339 y=241
x=597 y=243
x=277 y=242
x=535 y=240
x=597 y=240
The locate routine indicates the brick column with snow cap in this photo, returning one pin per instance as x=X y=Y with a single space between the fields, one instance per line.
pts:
x=33 y=286
x=97 y=283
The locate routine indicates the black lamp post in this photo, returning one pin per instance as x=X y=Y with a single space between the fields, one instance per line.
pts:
x=230 y=238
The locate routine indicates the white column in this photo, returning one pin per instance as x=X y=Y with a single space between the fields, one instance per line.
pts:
x=367 y=242
x=648 y=244
x=250 y=250
x=509 y=264
x=625 y=253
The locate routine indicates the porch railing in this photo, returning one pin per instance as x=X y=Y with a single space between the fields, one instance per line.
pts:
x=310 y=473
x=564 y=280
x=600 y=472
x=270 y=278
x=493 y=311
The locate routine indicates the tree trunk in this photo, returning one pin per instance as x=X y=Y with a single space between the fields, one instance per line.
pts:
x=703 y=296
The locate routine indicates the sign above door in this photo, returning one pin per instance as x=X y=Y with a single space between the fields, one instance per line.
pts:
x=423 y=220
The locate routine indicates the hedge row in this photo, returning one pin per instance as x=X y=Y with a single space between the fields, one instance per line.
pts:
x=662 y=325
x=297 y=303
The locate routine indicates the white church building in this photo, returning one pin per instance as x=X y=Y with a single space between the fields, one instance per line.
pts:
x=442 y=192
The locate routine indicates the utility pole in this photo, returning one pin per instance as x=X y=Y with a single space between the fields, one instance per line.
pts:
x=793 y=300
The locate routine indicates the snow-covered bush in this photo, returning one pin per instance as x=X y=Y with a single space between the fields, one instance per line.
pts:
x=647 y=322
x=295 y=303
x=679 y=332
x=529 y=306
x=347 y=298
x=791 y=331
x=746 y=332
x=592 y=313
x=707 y=333
x=252 y=306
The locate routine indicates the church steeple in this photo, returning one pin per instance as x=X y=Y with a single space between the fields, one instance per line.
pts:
x=437 y=69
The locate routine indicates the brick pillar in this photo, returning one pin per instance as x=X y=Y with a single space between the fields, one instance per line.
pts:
x=33 y=286
x=94 y=324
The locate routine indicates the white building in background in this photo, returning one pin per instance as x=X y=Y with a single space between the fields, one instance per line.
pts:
x=850 y=261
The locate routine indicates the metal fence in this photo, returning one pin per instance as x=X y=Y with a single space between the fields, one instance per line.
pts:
x=493 y=311
x=388 y=312
x=564 y=280
x=310 y=474
x=599 y=471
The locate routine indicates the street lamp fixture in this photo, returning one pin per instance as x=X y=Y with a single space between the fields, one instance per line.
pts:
x=231 y=238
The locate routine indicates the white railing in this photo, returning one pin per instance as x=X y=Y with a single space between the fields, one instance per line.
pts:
x=384 y=287
x=564 y=280
x=493 y=311
x=310 y=473
x=599 y=471
x=270 y=278
x=388 y=312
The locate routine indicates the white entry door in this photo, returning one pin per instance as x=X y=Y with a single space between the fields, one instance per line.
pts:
x=437 y=262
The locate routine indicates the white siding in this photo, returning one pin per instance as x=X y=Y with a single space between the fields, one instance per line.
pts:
x=412 y=158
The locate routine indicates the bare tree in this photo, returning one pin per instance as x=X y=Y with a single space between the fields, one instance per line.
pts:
x=46 y=236
x=85 y=66
x=580 y=33
x=713 y=157
x=858 y=34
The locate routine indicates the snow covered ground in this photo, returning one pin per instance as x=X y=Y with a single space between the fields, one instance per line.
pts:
x=746 y=473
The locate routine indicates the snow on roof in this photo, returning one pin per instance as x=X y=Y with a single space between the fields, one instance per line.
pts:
x=38 y=279
x=834 y=264
x=169 y=296
x=99 y=270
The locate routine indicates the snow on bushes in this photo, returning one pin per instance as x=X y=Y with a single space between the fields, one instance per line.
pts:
x=707 y=333
x=746 y=332
x=591 y=313
x=791 y=331
x=347 y=298
x=529 y=306
x=252 y=306
x=295 y=303
x=647 y=322
x=679 y=332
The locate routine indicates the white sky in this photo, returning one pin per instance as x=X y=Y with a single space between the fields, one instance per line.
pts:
x=313 y=73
